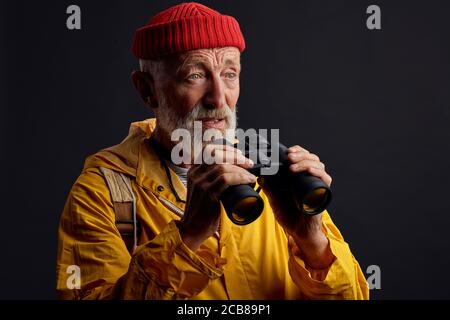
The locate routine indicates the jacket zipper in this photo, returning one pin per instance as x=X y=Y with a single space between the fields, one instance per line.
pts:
x=171 y=206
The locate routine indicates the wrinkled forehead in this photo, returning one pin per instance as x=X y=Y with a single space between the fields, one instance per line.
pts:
x=208 y=58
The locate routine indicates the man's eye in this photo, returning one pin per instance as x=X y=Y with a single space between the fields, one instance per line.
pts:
x=194 y=76
x=231 y=75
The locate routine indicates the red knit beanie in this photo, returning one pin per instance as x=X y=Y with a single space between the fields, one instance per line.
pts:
x=185 y=27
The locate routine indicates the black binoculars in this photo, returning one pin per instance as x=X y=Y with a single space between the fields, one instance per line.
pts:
x=243 y=204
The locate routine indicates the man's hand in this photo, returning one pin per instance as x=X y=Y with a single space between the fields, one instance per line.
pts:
x=306 y=230
x=205 y=185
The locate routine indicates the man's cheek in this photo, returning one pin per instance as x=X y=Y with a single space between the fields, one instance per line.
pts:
x=232 y=98
x=187 y=101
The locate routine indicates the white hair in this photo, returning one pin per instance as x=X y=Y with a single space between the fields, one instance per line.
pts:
x=154 y=67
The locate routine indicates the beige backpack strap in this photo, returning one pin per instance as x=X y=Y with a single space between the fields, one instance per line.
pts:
x=124 y=203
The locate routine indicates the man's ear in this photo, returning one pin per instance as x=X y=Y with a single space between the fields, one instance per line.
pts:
x=145 y=86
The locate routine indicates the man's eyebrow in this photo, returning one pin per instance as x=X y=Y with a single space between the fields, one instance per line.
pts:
x=201 y=64
x=191 y=63
x=231 y=63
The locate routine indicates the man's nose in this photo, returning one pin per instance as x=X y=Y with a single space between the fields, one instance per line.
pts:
x=215 y=96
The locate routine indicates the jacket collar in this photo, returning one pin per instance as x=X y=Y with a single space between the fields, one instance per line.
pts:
x=135 y=156
x=151 y=175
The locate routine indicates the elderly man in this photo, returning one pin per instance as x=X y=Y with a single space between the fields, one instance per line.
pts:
x=179 y=243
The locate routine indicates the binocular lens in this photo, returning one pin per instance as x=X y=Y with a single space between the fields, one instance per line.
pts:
x=245 y=209
x=316 y=201
x=242 y=204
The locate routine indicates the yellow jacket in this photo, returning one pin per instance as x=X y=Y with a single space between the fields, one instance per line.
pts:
x=256 y=261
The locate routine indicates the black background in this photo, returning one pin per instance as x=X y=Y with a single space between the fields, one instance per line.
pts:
x=373 y=104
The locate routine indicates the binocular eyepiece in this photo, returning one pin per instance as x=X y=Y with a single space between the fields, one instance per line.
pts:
x=243 y=204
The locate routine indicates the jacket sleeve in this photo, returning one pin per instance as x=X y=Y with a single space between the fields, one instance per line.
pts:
x=163 y=268
x=343 y=279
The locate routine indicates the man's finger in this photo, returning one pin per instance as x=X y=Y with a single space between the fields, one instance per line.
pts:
x=226 y=154
x=305 y=164
x=297 y=148
x=228 y=179
x=299 y=156
x=321 y=174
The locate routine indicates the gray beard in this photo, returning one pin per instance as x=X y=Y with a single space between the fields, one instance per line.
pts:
x=168 y=121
